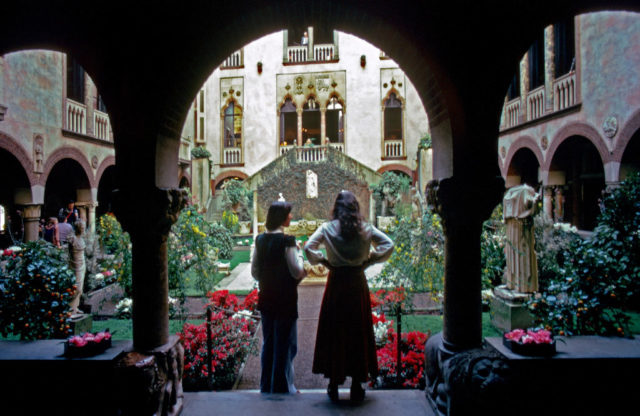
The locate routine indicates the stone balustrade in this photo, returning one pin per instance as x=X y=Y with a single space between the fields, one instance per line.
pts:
x=512 y=112
x=232 y=156
x=535 y=103
x=323 y=52
x=393 y=148
x=76 y=117
x=564 y=91
x=101 y=126
x=297 y=54
x=235 y=60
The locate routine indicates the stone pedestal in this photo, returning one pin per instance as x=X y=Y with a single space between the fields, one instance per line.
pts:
x=509 y=310
x=31 y=218
x=81 y=323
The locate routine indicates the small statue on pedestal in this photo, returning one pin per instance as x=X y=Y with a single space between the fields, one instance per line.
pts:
x=77 y=246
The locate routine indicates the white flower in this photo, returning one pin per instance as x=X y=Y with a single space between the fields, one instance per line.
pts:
x=381 y=331
x=244 y=313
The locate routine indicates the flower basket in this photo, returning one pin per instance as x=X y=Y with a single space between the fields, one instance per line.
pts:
x=87 y=344
x=530 y=343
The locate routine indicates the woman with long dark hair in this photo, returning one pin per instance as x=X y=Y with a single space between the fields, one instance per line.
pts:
x=277 y=264
x=345 y=344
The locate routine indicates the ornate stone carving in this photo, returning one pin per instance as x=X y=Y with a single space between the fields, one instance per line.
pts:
x=544 y=142
x=38 y=154
x=161 y=211
x=470 y=382
x=503 y=152
x=464 y=201
x=610 y=126
x=312 y=184
x=151 y=382
x=299 y=81
x=94 y=162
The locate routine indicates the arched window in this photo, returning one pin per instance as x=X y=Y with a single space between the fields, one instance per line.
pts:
x=392 y=118
x=288 y=123
x=335 y=121
x=311 y=122
x=232 y=126
x=232 y=135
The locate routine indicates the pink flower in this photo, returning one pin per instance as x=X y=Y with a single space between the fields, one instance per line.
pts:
x=515 y=335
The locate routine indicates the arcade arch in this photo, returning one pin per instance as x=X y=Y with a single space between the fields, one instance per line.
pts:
x=630 y=161
x=576 y=168
x=523 y=169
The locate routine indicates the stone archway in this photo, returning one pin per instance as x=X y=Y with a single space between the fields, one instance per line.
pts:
x=14 y=192
x=576 y=167
x=523 y=168
x=399 y=168
x=66 y=180
x=524 y=142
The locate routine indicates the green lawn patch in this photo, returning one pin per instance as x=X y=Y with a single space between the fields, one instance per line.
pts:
x=433 y=323
x=122 y=329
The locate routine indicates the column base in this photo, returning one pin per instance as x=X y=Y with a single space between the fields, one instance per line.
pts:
x=81 y=323
x=509 y=310
x=150 y=383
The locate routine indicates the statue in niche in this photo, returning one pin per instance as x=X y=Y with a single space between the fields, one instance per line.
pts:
x=312 y=184
x=558 y=211
x=521 y=272
x=417 y=203
x=38 y=154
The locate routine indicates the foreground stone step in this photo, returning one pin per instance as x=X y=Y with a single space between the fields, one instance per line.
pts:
x=308 y=402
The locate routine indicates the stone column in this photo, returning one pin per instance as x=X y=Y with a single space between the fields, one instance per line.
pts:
x=463 y=205
x=323 y=124
x=31 y=218
x=549 y=67
x=524 y=87
x=299 y=112
x=255 y=214
x=149 y=227
x=547 y=202
x=91 y=217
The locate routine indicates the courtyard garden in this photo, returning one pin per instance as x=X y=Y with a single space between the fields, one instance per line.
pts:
x=588 y=285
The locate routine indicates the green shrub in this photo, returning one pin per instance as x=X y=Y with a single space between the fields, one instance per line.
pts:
x=36 y=287
x=117 y=243
x=492 y=243
x=598 y=278
x=388 y=193
x=417 y=260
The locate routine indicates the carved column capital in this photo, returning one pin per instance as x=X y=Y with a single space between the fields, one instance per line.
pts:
x=153 y=210
x=463 y=201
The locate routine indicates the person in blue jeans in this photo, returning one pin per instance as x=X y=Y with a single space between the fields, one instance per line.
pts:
x=277 y=265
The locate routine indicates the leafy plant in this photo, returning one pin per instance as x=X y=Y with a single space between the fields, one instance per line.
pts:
x=117 y=245
x=200 y=152
x=598 y=278
x=237 y=198
x=425 y=142
x=230 y=221
x=492 y=243
x=389 y=192
x=36 y=287
x=417 y=261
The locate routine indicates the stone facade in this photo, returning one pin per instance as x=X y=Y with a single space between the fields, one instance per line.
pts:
x=52 y=137
x=599 y=116
x=361 y=91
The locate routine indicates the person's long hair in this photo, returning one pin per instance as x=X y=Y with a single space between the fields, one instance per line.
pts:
x=277 y=214
x=346 y=210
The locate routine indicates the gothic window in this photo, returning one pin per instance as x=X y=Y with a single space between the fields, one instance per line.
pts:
x=100 y=104
x=311 y=122
x=288 y=123
x=335 y=121
x=75 y=80
x=514 y=86
x=564 y=47
x=536 y=62
x=392 y=118
x=232 y=125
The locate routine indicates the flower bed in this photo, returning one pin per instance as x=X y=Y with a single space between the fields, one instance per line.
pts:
x=233 y=327
x=87 y=344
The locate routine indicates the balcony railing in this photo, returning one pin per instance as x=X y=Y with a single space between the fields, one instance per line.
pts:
x=311 y=154
x=535 y=103
x=297 y=54
x=337 y=146
x=564 y=91
x=512 y=111
x=76 y=117
x=393 y=148
x=232 y=156
x=101 y=125
x=285 y=149
x=323 y=52
x=234 y=61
